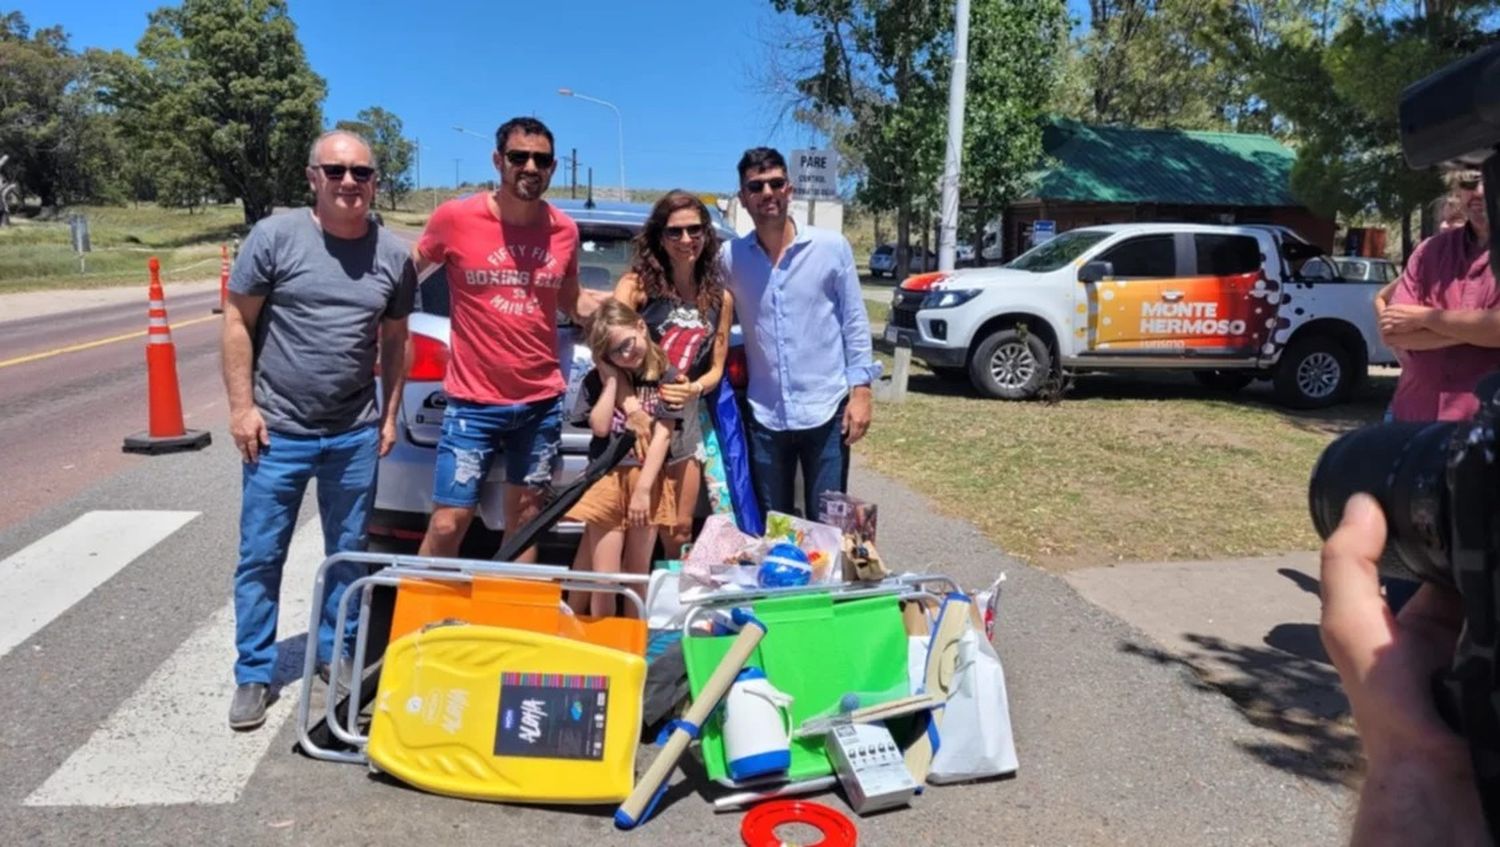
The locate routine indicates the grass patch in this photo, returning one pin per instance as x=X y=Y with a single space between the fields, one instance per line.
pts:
x=39 y=254
x=1126 y=468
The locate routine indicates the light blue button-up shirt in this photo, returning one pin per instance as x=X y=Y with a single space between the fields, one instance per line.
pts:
x=807 y=334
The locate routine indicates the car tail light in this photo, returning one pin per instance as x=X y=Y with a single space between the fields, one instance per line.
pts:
x=429 y=359
x=736 y=369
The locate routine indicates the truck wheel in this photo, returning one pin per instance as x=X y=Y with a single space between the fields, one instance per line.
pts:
x=1224 y=380
x=1010 y=365
x=1315 y=371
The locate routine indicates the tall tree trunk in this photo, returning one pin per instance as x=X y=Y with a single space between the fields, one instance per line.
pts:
x=1406 y=245
x=903 y=238
x=257 y=204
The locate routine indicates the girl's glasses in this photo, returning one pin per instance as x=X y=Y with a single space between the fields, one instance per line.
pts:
x=623 y=349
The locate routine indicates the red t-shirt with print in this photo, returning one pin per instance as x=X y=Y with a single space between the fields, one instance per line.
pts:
x=503 y=281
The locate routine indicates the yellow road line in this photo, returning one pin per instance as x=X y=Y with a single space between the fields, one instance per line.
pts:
x=88 y=345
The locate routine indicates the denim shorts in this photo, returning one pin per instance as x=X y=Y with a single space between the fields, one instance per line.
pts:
x=528 y=437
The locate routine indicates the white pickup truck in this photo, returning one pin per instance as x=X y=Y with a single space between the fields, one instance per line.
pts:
x=1225 y=302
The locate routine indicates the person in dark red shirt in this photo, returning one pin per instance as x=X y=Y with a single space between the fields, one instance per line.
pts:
x=512 y=263
x=1442 y=317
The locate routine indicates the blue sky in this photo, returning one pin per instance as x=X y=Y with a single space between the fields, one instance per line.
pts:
x=676 y=69
x=681 y=72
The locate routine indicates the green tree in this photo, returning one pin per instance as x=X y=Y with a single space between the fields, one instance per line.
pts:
x=393 y=152
x=1339 y=94
x=230 y=78
x=876 y=72
x=60 y=143
x=1164 y=63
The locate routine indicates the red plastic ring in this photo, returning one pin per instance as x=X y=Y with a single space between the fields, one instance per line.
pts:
x=759 y=827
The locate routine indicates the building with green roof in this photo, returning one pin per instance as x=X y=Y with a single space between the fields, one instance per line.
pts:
x=1108 y=174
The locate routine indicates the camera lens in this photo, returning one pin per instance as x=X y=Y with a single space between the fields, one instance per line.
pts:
x=1404 y=467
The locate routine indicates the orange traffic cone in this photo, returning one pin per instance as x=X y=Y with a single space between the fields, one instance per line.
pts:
x=166 y=433
x=223 y=279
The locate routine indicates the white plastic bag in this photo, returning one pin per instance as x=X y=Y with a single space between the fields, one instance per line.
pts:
x=975 y=740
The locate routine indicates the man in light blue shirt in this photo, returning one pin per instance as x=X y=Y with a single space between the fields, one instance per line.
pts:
x=807 y=342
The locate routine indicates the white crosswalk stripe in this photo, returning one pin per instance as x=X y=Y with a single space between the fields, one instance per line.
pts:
x=47 y=578
x=170 y=742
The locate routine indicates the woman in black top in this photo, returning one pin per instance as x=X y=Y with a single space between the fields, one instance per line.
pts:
x=677 y=285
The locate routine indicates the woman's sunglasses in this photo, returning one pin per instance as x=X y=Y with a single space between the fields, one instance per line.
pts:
x=361 y=173
x=692 y=231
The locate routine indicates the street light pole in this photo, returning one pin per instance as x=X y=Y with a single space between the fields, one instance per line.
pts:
x=619 y=121
x=952 y=161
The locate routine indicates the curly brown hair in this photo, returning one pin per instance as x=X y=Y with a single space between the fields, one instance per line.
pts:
x=652 y=266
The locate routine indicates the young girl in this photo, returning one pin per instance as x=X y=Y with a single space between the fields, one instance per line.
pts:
x=623 y=512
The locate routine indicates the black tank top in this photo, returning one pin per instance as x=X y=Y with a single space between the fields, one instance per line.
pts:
x=683 y=332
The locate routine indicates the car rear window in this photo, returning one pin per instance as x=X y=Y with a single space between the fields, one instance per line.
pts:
x=603 y=257
x=1227 y=255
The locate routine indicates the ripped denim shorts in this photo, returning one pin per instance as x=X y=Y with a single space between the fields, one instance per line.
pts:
x=528 y=437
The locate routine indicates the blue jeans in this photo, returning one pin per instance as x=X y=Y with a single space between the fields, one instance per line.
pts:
x=271 y=494
x=775 y=456
x=528 y=435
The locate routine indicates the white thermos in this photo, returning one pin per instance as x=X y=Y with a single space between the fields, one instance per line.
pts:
x=757 y=727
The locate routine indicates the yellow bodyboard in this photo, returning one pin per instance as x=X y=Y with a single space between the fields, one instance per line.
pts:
x=491 y=713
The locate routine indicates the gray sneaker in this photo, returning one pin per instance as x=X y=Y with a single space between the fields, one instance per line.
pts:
x=248 y=709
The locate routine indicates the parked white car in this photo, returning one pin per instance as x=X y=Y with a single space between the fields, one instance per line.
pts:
x=1226 y=302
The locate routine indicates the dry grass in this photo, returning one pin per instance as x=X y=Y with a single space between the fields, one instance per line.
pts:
x=1126 y=468
x=39 y=254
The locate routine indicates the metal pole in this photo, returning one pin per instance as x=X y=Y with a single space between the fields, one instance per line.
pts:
x=456 y=163
x=948 y=243
x=620 y=122
x=573 y=161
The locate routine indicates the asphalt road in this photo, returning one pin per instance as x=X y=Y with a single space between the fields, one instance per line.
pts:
x=115 y=660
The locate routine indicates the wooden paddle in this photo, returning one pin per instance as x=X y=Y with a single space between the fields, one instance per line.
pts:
x=942 y=663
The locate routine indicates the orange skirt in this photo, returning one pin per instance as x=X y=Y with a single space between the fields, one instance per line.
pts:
x=607 y=502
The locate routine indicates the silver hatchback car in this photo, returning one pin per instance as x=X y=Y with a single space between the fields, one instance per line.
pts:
x=403 y=493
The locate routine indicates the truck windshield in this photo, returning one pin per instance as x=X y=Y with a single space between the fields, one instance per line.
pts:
x=1051 y=255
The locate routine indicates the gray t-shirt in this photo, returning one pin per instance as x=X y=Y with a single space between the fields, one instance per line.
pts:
x=317 y=336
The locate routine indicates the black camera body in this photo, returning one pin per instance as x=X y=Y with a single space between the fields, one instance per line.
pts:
x=1439 y=483
x=1439 y=486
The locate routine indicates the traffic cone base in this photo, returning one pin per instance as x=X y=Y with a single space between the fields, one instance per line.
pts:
x=145 y=442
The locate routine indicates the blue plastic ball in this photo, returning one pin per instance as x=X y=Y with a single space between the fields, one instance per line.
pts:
x=785 y=565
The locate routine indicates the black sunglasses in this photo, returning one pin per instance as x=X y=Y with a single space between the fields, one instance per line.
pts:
x=1469 y=184
x=756 y=186
x=518 y=158
x=675 y=233
x=362 y=173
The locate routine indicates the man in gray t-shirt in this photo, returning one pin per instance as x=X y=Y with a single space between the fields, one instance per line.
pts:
x=316 y=297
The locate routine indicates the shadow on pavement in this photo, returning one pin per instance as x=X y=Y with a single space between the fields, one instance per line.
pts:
x=1287 y=688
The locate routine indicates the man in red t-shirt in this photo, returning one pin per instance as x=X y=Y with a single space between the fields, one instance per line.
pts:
x=512 y=263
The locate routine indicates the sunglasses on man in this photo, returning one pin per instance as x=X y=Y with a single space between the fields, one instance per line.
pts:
x=517 y=158
x=1468 y=183
x=692 y=231
x=756 y=186
x=361 y=173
